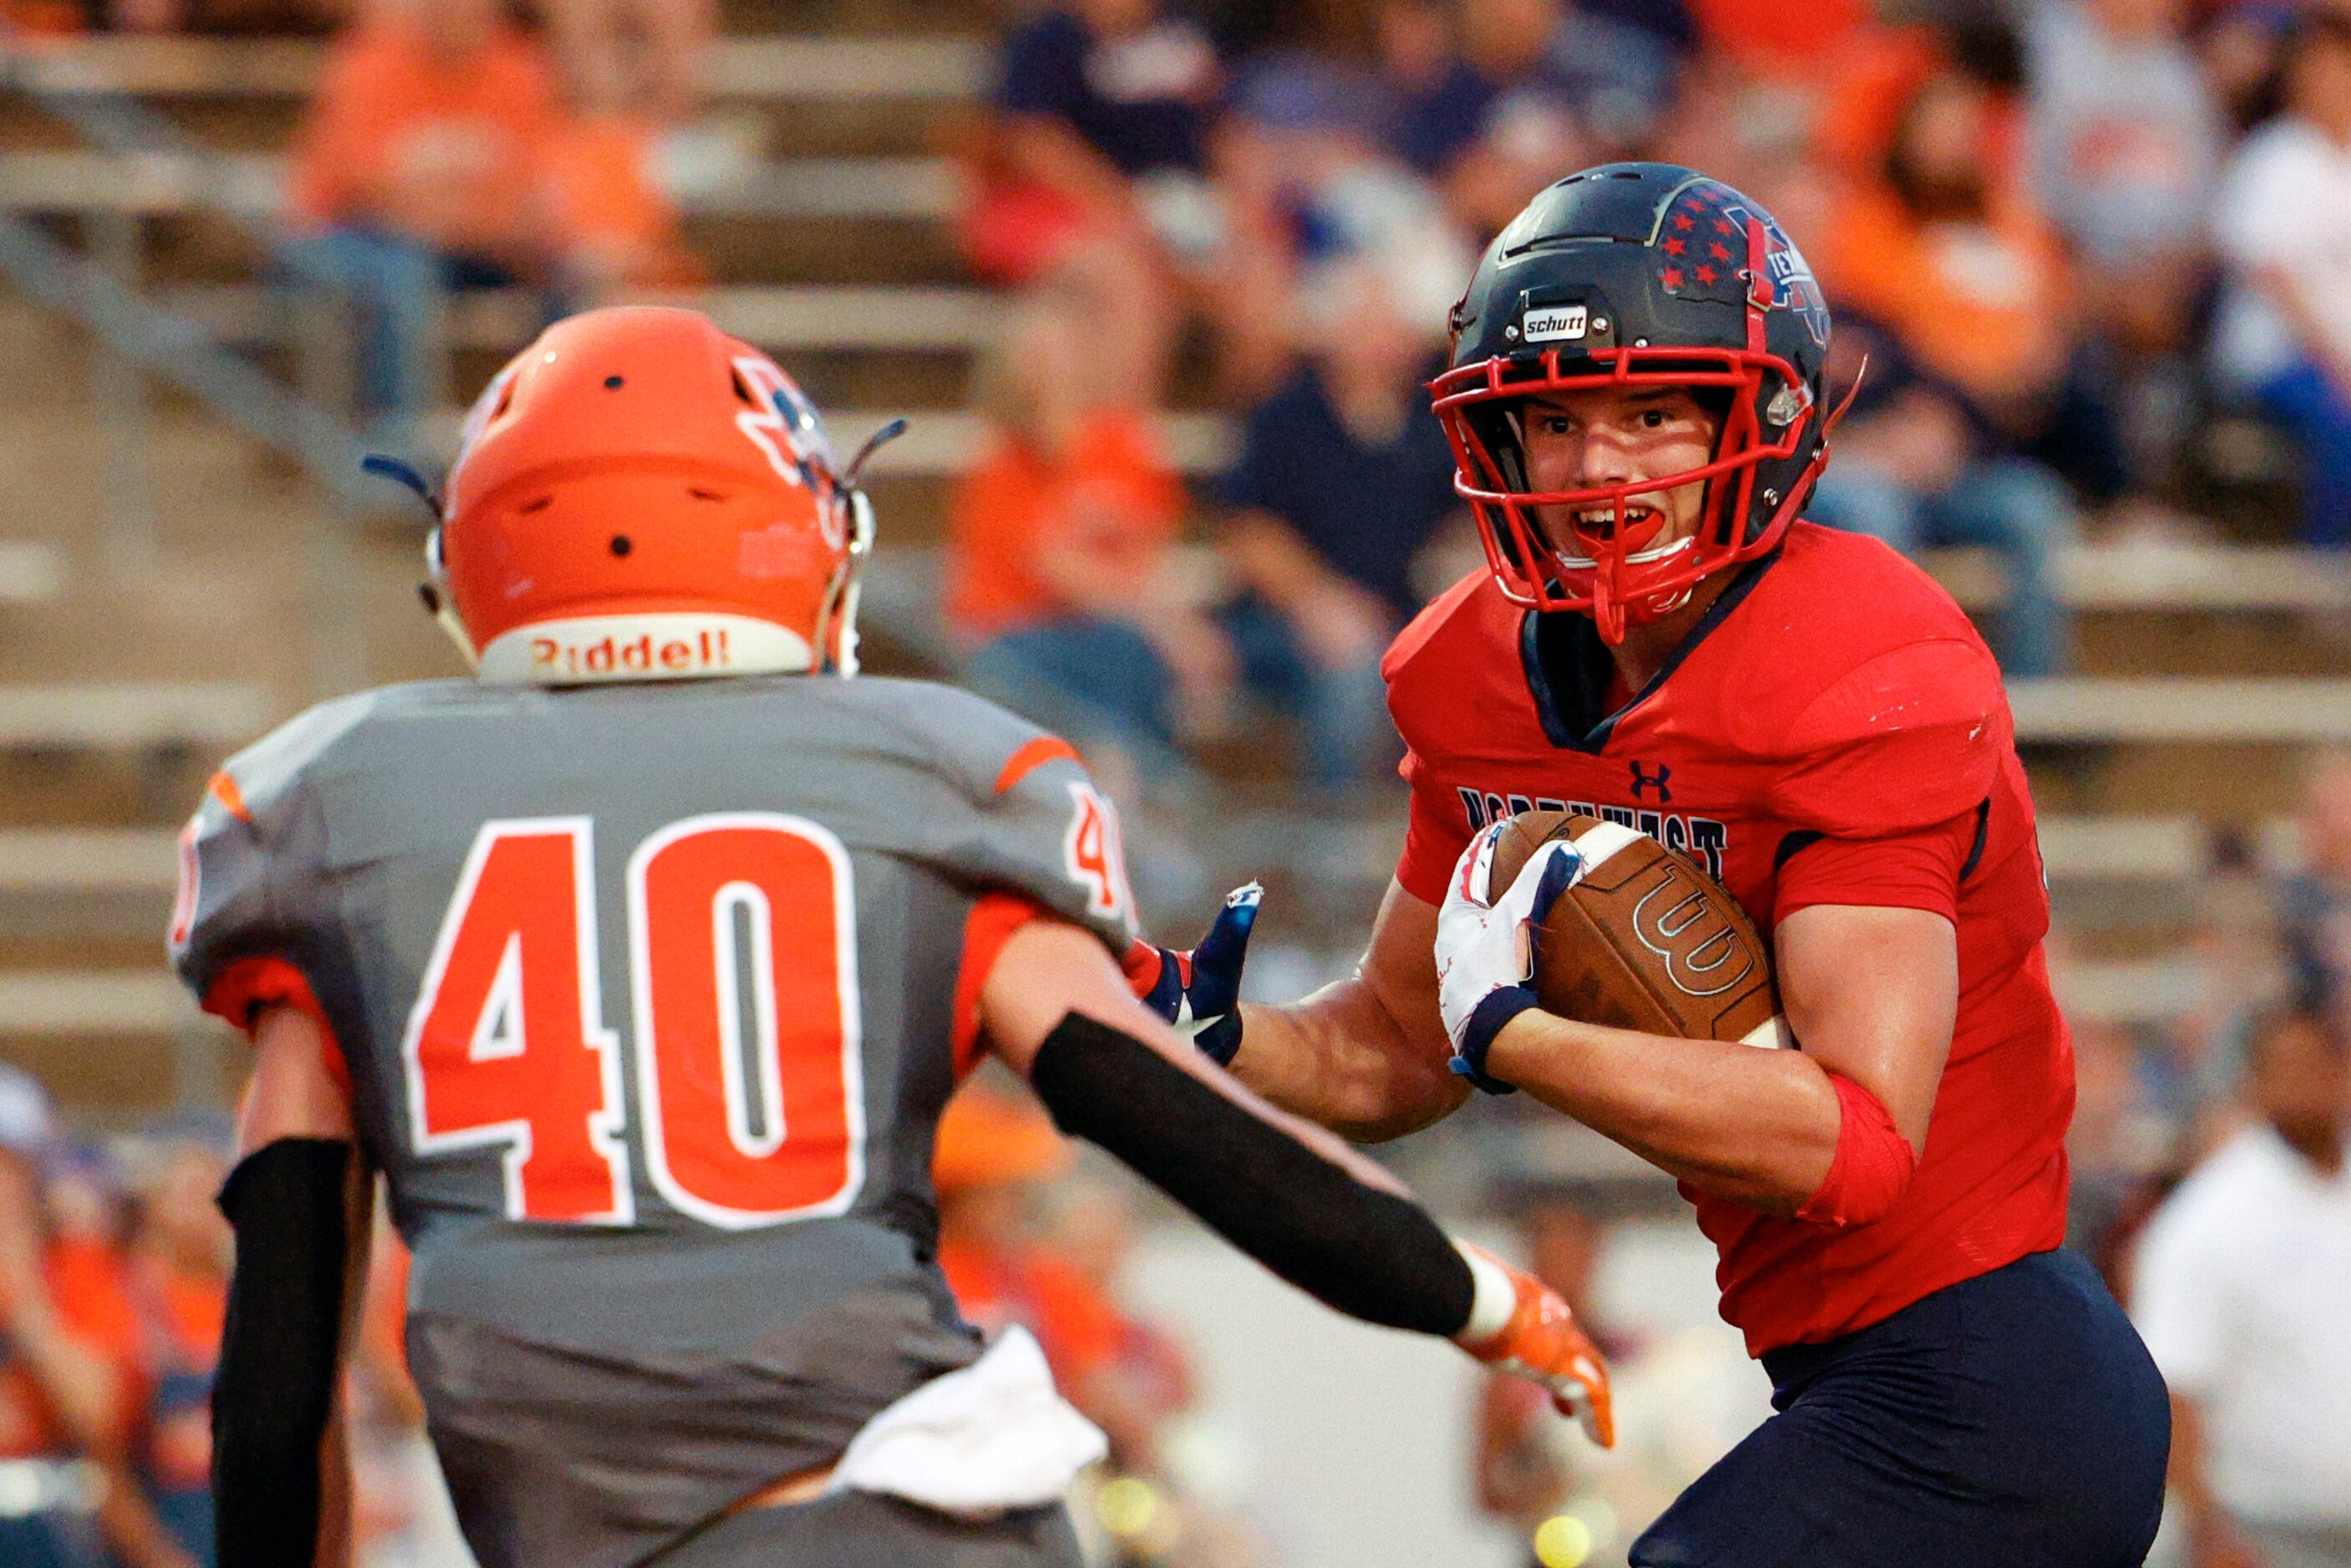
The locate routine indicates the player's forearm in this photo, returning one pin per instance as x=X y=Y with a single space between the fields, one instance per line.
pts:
x=1756 y=1127
x=1338 y=1057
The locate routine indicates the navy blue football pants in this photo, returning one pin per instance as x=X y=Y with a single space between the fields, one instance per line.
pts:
x=2014 y=1418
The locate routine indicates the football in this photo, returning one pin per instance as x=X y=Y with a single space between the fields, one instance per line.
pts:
x=1645 y=940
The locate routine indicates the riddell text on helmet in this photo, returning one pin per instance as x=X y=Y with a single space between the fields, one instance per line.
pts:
x=644 y=655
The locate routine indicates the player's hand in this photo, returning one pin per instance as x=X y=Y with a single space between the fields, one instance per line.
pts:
x=1199 y=992
x=1543 y=1342
x=1485 y=945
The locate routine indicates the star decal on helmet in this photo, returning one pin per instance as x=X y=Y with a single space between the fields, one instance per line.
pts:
x=1788 y=284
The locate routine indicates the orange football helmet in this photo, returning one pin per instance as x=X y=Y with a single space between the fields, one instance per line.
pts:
x=638 y=496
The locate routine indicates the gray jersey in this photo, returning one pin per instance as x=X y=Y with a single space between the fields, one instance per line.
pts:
x=650 y=1000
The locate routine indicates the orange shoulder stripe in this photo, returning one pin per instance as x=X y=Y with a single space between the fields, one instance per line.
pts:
x=1034 y=755
x=223 y=789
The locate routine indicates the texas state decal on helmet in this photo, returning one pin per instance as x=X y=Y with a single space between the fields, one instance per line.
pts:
x=639 y=496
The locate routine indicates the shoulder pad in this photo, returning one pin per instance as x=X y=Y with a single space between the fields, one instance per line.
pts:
x=267 y=768
x=1909 y=738
x=958 y=734
x=1434 y=617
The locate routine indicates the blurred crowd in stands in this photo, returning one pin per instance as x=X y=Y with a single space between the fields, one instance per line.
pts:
x=2067 y=236
x=2071 y=238
x=2092 y=251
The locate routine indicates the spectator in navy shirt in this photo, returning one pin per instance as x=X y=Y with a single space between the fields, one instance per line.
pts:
x=1136 y=86
x=1433 y=102
x=1343 y=475
x=1095 y=163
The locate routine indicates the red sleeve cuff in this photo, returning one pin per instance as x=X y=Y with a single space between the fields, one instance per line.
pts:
x=1873 y=1164
x=985 y=929
x=239 y=992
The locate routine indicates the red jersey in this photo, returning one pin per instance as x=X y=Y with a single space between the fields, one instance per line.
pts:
x=1834 y=732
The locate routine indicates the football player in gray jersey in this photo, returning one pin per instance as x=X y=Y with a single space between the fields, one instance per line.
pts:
x=641 y=966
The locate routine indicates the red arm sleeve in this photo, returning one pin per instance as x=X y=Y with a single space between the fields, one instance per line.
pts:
x=250 y=984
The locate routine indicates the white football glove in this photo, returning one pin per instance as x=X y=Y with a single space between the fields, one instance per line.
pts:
x=1486 y=944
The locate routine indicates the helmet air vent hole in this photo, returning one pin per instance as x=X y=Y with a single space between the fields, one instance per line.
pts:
x=620 y=545
x=742 y=390
x=540 y=504
x=699 y=493
x=615 y=383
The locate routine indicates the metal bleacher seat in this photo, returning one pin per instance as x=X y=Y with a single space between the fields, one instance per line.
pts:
x=783 y=69
x=132 y=716
x=92 y=1002
x=2183 y=709
x=941 y=441
x=2165 y=576
x=38 y=861
x=781 y=319
x=83 y=181
x=30 y=573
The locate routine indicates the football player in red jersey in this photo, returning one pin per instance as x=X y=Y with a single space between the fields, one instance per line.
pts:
x=1637 y=406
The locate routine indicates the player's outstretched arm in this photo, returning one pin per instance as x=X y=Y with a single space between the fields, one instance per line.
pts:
x=1289 y=1195
x=299 y=1201
x=1366 y=1056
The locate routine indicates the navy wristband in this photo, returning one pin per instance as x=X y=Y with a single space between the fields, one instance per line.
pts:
x=1221 y=1042
x=1486 y=1022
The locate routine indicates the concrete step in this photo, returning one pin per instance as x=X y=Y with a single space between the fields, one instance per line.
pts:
x=131 y=717
x=784 y=319
x=798 y=70
x=831 y=189
x=2182 y=710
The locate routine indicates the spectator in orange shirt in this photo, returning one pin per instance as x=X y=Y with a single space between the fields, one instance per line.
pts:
x=64 y=1358
x=1949 y=250
x=1772 y=38
x=1960 y=264
x=1058 y=569
x=422 y=166
x=620 y=229
x=620 y=226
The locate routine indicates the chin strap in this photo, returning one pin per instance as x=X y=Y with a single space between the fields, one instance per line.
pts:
x=434 y=591
x=837 y=622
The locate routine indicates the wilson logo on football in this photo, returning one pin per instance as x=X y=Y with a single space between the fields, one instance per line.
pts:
x=1702 y=952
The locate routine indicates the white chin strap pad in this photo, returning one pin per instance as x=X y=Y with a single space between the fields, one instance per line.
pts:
x=667 y=646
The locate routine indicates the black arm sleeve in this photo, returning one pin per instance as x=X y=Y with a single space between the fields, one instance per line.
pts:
x=277 y=1378
x=1368 y=1253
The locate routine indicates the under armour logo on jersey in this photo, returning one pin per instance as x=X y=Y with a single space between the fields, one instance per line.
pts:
x=1656 y=781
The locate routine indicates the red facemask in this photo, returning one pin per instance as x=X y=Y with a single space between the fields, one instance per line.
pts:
x=1620 y=575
